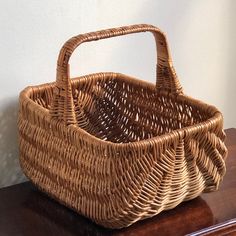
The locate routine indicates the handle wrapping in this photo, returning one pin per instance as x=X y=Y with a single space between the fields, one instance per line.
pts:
x=63 y=105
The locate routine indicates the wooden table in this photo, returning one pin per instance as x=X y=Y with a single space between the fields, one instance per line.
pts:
x=26 y=211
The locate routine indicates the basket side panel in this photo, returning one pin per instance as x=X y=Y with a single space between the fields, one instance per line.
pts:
x=64 y=164
x=168 y=173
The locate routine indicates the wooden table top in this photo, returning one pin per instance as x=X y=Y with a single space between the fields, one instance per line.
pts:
x=26 y=211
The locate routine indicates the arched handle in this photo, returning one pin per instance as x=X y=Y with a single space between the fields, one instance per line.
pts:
x=63 y=105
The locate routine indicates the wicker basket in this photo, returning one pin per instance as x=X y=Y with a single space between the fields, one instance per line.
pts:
x=116 y=149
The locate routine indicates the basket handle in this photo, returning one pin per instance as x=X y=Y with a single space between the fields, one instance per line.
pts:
x=63 y=105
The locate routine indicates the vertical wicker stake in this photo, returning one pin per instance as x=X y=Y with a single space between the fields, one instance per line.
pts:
x=116 y=149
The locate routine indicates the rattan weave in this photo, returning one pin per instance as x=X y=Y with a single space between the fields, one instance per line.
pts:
x=117 y=149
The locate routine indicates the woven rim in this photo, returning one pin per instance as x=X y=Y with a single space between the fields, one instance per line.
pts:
x=216 y=114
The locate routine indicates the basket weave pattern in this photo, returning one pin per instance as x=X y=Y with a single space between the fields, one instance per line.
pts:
x=117 y=149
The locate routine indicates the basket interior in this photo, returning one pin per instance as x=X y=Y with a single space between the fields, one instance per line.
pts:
x=119 y=109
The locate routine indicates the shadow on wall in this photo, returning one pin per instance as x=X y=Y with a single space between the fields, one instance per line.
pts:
x=10 y=171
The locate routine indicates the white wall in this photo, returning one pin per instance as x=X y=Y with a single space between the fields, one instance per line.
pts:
x=202 y=36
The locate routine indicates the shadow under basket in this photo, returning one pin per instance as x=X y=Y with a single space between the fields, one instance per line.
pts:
x=117 y=149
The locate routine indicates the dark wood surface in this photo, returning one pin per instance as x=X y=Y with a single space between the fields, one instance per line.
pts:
x=26 y=211
x=221 y=229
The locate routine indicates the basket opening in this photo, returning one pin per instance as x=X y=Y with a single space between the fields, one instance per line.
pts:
x=120 y=109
